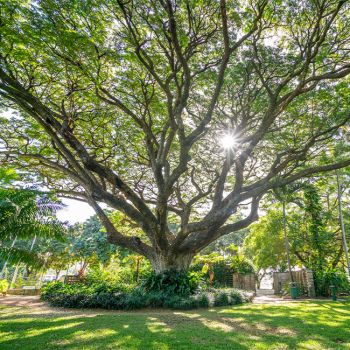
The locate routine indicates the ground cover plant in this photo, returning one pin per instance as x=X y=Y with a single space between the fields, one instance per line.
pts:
x=317 y=325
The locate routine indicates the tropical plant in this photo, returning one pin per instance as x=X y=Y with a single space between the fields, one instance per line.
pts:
x=325 y=279
x=92 y=296
x=3 y=286
x=173 y=282
x=26 y=214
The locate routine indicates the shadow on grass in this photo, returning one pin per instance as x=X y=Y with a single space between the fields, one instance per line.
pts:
x=293 y=326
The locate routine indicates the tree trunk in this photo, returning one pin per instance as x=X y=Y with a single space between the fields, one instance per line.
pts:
x=286 y=242
x=341 y=221
x=175 y=261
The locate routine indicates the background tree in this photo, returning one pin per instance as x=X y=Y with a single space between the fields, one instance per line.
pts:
x=285 y=195
x=123 y=103
x=265 y=243
x=55 y=254
x=313 y=231
x=88 y=244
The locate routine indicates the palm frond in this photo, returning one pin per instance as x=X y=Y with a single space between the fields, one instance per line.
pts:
x=17 y=255
x=27 y=212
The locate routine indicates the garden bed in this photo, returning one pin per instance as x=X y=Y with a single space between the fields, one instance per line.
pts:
x=82 y=296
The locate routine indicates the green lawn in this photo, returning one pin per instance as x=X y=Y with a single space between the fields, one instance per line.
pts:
x=303 y=325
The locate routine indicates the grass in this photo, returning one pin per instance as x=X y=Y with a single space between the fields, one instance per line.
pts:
x=302 y=325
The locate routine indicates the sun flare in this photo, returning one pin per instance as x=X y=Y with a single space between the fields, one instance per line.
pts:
x=228 y=141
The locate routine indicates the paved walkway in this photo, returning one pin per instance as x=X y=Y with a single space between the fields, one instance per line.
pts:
x=35 y=302
x=272 y=299
x=22 y=300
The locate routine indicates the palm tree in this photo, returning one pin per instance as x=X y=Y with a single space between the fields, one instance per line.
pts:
x=25 y=214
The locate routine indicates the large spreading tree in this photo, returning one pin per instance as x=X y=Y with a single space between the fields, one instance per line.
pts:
x=126 y=102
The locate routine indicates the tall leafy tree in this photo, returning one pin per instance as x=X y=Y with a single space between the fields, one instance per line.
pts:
x=314 y=233
x=88 y=244
x=125 y=103
x=265 y=244
x=286 y=194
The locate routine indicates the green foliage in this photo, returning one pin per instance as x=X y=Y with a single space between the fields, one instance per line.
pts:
x=229 y=296
x=105 y=280
x=84 y=242
x=213 y=263
x=222 y=273
x=25 y=213
x=221 y=299
x=223 y=268
x=319 y=236
x=312 y=229
x=203 y=300
x=57 y=253
x=88 y=242
x=173 y=282
x=137 y=299
x=200 y=300
x=181 y=303
x=3 y=286
x=7 y=176
x=264 y=244
x=240 y=264
x=227 y=244
x=157 y=298
x=331 y=277
x=237 y=297
x=81 y=295
x=119 y=271
x=127 y=98
x=85 y=295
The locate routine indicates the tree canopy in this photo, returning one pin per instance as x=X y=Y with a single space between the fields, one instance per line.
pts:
x=125 y=103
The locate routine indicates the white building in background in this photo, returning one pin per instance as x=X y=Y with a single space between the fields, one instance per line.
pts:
x=50 y=274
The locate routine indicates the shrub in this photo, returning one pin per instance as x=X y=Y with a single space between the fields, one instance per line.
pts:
x=80 y=295
x=135 y=300
x=229 y=296
x=56 y=288
x=173 y=282
x=222 y=273
x=237 y=297
x=3 y=286
x=106 y=281
x=223 y=268
x=51 y=289
x=181 y=303
x=325 y=279
x=114 y=301
x=156 y=298
x=221 y=299
x=203 y=300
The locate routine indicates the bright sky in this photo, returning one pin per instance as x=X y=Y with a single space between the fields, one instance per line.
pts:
x=75 y=211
